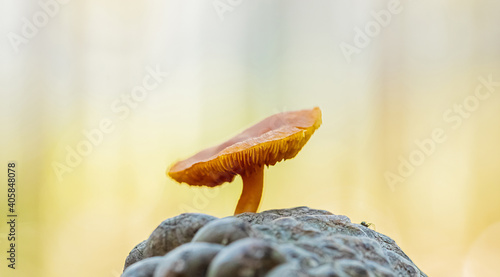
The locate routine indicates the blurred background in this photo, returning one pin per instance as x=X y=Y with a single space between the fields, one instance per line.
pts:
x=99 y=98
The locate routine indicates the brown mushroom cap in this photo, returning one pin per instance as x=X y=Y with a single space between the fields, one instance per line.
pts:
x=276 y=138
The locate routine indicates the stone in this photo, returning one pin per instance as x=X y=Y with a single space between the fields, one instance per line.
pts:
x=248 y=257
x=136 y=254
x=190 y=259
x=283 y=242
x=223 y=231
x=174 y=232
x=143 y=268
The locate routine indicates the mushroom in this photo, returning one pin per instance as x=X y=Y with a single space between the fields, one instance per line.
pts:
x=276 y=138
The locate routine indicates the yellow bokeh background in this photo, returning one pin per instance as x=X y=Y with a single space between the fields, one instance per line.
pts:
x=231 y=64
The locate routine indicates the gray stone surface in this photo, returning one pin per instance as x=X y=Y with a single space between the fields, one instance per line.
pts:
x=287 y=242
x=174 y=232
x=224 y=231
x=190 y=259
x=143 y=268
x=136 y=254
x=246 y=257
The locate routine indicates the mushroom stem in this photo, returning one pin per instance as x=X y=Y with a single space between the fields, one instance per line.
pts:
x=251 y=192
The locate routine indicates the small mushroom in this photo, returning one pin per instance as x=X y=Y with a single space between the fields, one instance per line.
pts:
x=276 y=138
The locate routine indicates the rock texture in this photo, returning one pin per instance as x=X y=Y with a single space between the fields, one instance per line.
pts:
x=287 y=242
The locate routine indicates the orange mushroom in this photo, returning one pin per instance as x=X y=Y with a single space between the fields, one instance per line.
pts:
x=276 y=138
